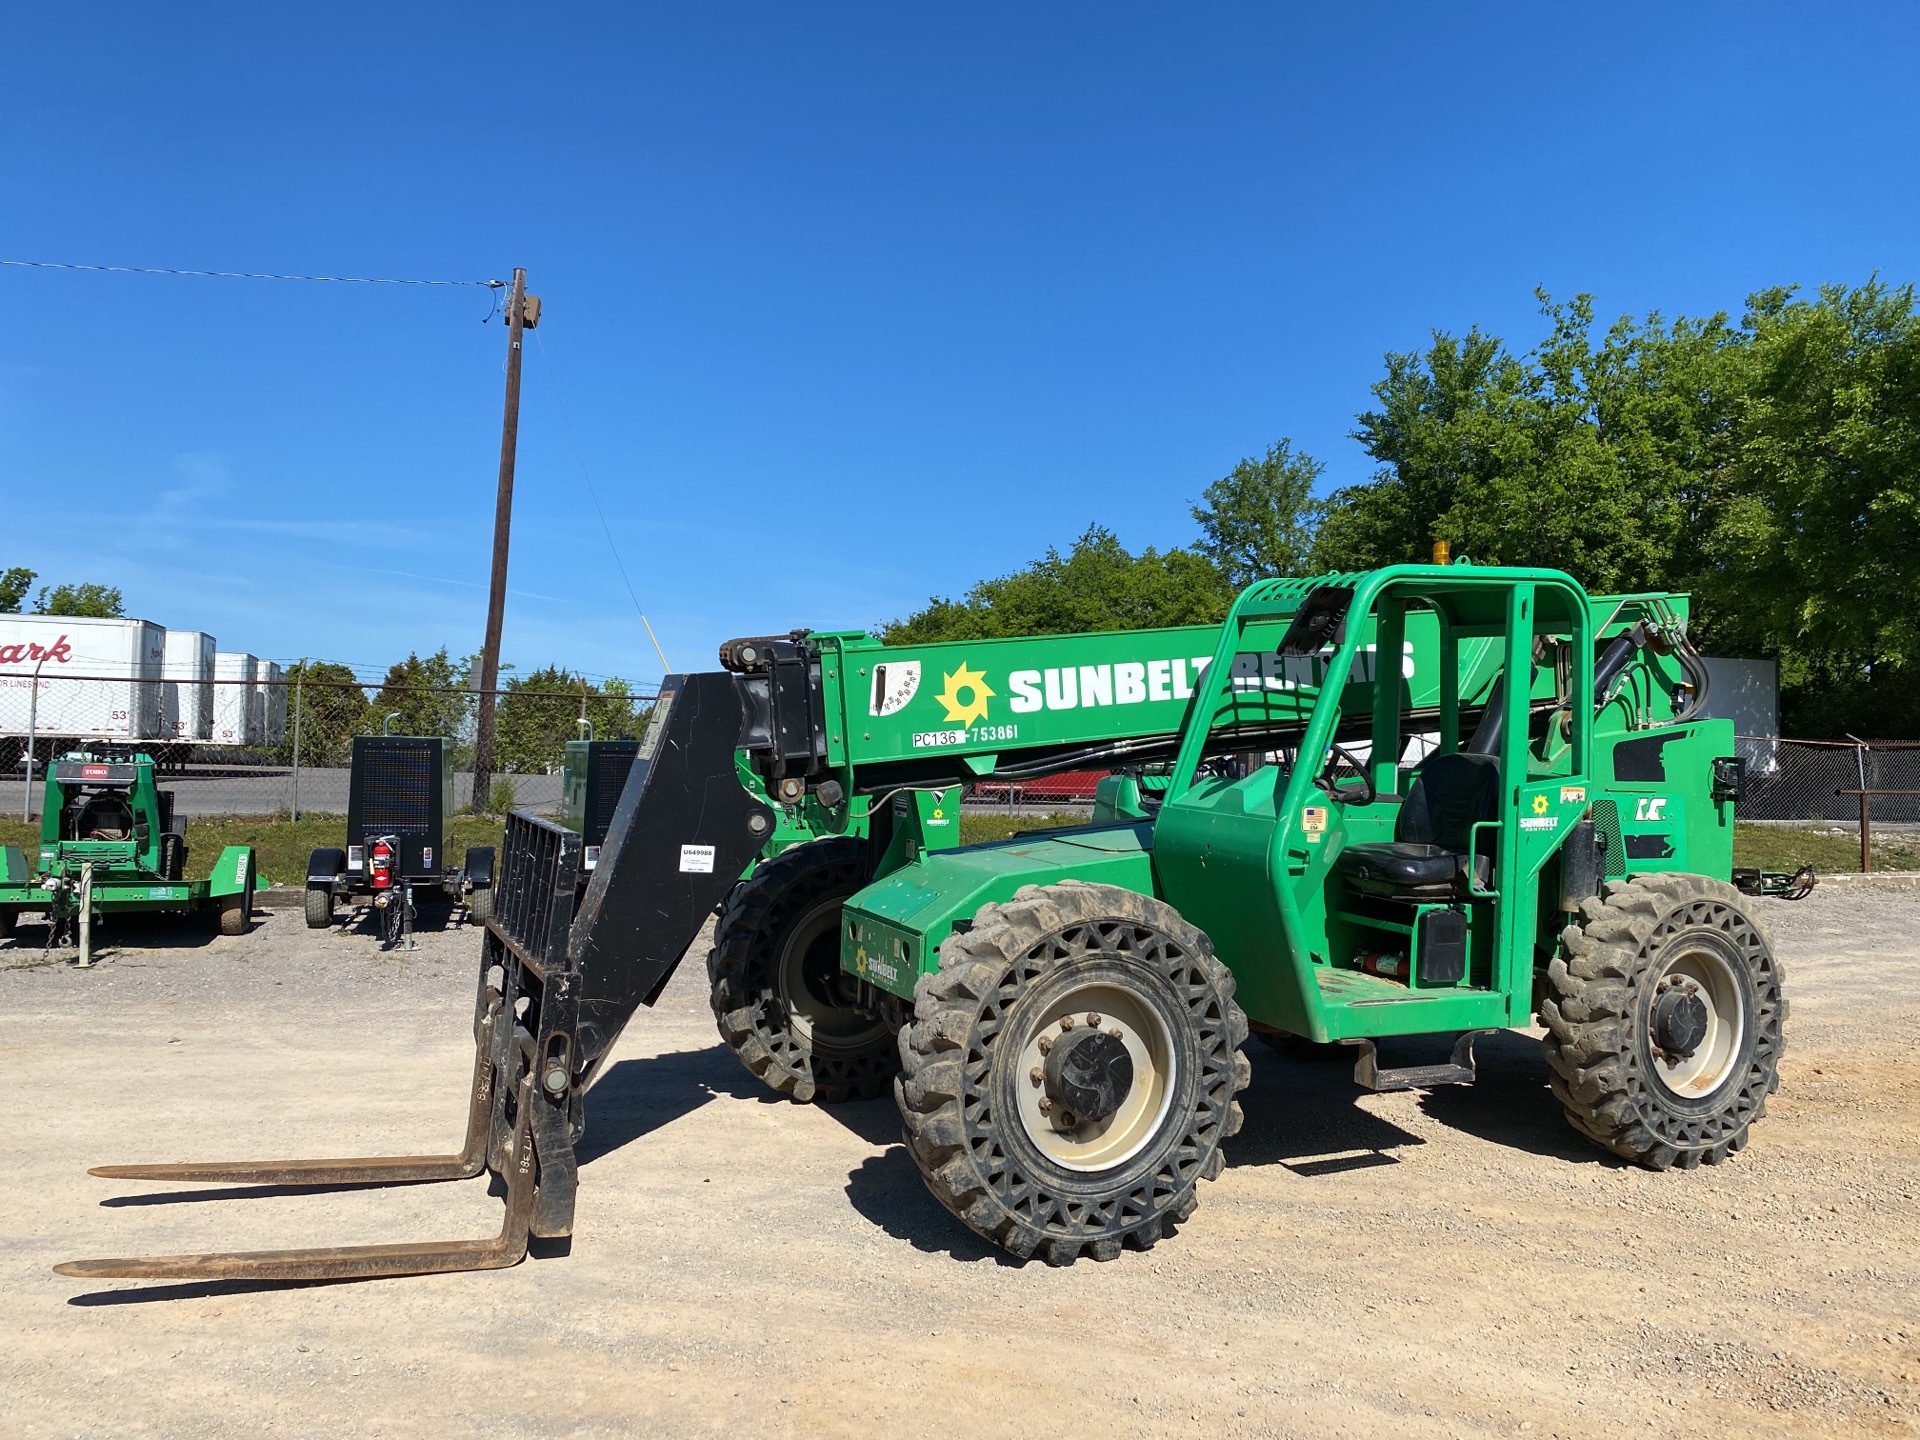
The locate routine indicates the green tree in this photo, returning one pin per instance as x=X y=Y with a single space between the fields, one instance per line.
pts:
x=1811 y=546
x=326 y=708
x=14 y=584
x=1589 y=455
x=425 y=695
x=1258 y=520
x=541 y=711
x=1098 y=585
x=100 y=602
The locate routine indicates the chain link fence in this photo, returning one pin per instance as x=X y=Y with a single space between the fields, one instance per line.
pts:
x=279 y=745
x=1802 y=780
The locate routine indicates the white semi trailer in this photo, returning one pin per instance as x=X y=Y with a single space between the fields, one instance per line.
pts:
x=186 y=693
x=239 y=714
x=81 y=678
x=270 y=695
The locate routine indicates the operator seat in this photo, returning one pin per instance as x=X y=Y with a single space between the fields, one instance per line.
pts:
x=1430 y=855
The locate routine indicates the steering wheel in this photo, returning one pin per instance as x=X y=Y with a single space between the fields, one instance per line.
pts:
x=1365 y=793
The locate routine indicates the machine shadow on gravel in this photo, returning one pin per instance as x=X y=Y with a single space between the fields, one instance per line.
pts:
x=1301 y=1114
x=114 y=938
x=428 y=919
x=888 y=1191
x=635 y=1097
x=1509 y=1103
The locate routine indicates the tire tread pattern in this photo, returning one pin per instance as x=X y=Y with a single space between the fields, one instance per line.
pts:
x=946 y=1062
x=1592 y=999
x=743 y=989
x=319 y=905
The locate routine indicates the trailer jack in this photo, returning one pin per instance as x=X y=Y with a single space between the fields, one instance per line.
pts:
x=555 y=990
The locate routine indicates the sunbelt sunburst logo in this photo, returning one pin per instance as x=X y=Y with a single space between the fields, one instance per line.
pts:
x=965 y=696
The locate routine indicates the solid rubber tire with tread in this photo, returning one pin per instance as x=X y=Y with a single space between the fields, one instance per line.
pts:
x=1595 y=1016
x=480 y=905
x=988 y=1173
x=744 y=993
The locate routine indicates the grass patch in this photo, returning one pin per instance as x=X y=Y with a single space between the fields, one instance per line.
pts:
x=280 y=847
x=1788 y=847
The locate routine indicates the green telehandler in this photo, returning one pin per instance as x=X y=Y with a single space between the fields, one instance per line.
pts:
x=1524 y=817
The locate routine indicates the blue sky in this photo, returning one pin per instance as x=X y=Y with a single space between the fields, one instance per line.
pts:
x=849 y=305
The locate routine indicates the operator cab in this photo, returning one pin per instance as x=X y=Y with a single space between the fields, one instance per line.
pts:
x=1414 y=892
x=1392 y=847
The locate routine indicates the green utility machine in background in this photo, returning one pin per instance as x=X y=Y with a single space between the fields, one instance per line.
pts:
x=593 y=774
x=1397 y=810
x=107 y=834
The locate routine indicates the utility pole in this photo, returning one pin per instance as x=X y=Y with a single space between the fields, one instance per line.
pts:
x=523 y=313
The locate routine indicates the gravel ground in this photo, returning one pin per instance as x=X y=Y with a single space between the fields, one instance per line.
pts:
x=1456 y=1263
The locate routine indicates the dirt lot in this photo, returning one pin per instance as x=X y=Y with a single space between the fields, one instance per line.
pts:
x=1457 y=1263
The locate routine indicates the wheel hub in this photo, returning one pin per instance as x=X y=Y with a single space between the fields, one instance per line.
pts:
x=1680 y=1019
x=1089 y=1073
x=1695 y=1020
x=808 y=982
x=1097 y=1072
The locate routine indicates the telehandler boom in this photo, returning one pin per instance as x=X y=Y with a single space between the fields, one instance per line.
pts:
x=1523 y=816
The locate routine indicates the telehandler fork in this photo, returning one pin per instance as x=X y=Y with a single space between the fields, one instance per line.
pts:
x=554 y=995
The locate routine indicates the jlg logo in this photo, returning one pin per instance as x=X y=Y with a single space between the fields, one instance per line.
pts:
x=1651 y=807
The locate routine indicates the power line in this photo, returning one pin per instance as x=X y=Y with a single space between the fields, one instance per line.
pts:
x=242 y=274
x=580 y=457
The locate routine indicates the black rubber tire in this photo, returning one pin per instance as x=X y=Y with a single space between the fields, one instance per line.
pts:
x=779 y=900
x=319 y=908
x=236 y=911
x=1600 y=1034
x=956 y=1079
x=480 y=905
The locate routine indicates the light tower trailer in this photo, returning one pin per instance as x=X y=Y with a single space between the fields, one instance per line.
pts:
x=593 y=775
x=399 y=800
x=109 y=845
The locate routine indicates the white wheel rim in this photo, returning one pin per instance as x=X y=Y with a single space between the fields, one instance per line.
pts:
x=1712 y=980
x=1089 y=1145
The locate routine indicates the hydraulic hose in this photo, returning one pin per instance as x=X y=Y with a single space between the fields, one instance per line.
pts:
x=1616 y=659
